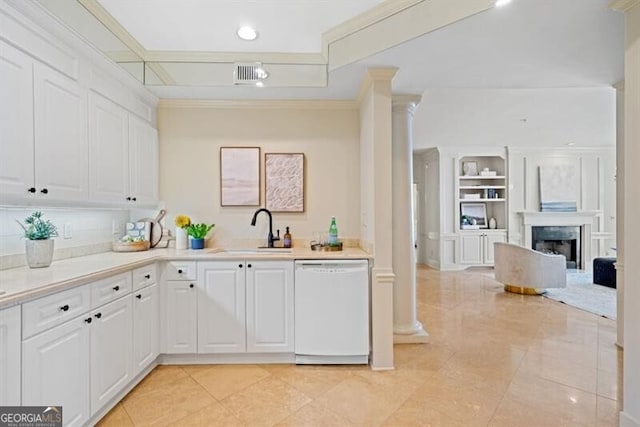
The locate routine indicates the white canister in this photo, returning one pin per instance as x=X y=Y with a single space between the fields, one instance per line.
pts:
x=492 y=224
x=181 y=238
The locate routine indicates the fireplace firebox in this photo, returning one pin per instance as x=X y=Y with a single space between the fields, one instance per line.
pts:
x=559 y=240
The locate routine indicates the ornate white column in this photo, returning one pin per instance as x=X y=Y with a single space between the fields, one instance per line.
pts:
x=406 y=327
x=630 y=414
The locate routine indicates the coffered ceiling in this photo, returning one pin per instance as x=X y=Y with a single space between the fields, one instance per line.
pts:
x=320 y=49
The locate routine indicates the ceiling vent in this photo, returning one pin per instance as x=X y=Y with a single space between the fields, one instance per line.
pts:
x=248 y=73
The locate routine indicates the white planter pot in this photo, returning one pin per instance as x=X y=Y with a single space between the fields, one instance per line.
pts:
x=39 y=253
x=181 y=238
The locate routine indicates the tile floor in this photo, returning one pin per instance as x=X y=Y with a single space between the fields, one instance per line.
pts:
x=495 y=359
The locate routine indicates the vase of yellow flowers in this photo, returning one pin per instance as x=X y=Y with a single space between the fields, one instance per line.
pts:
x=182 y=222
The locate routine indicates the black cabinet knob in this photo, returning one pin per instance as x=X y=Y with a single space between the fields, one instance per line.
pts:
x=248 y=265
x=139 y=296
x=44 y=191
x=129 y=198
x=179 y=271
x=147 y=276
x=65 y=307
x=99 y=315
x=134 y=199
x=31 y=190
x=239 y=265
x=191 y=285
x=88 y=320
x=116 y=288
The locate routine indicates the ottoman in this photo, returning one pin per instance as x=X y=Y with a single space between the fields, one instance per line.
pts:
x=604 y=272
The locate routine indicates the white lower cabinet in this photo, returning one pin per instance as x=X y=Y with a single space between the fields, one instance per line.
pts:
x=56 y=369
x=10 y=356
x=180 y=317
x=221 y=307
x=111 y=355
x=476 y=248
x=146 y=333
x=245 y=306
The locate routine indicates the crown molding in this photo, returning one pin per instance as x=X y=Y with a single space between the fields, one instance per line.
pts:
x=285 y=104
x=224 y=57
x=623 y=5
x=369 y=17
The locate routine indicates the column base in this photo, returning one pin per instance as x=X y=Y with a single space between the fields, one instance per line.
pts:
x=414 y=335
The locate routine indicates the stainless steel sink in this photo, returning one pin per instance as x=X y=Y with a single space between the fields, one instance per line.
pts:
x=253 y=251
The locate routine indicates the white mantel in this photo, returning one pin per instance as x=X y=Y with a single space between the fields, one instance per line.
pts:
x=582 y=219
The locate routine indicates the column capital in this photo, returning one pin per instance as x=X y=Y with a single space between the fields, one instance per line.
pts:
x=407 y=102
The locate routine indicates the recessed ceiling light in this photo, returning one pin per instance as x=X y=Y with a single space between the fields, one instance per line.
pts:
x=500 y=3
x=247 y=33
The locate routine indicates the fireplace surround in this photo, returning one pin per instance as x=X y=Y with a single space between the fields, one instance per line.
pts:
x=558 y=240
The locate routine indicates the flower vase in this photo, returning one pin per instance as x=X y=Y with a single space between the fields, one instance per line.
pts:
x=197 y=243
x=39 y=253
x=181 y=238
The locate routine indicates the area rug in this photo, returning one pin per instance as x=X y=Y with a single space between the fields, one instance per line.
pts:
x=582 y=293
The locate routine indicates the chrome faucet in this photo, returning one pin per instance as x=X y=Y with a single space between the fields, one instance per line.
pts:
x=270 y=238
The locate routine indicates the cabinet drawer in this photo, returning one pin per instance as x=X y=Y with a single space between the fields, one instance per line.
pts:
x=55 y=309
x=110 y=289
x=144 y=276
x=181 y=270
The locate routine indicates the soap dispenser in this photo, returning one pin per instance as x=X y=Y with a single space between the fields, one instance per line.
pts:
x=287 y=238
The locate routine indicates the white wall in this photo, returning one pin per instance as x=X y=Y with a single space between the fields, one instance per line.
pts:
x=190 y=139
x=91 y=231
x=516 y=117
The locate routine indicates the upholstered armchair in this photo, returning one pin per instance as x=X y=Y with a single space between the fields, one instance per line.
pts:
x=525 y=271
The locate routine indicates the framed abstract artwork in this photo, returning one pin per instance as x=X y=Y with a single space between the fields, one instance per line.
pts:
x=239 y=176
x=284 y=180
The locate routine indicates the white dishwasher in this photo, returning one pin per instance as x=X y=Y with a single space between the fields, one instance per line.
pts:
x=332 y=311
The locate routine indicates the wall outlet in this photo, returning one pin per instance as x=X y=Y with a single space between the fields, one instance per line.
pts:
x=66 y=230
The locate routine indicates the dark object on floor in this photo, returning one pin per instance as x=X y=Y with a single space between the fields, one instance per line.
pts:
x=604 y=272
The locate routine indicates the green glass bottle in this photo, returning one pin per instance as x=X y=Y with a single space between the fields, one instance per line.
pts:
x=333 y=233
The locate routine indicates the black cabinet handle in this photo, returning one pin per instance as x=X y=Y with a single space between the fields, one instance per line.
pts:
x=179 y=271
x=147 y=276
x=87 y=320
x=133 y=198
x=191 y=285
x=129 y=198
x=116 y=288
x=99 y=315
x=65 y=307
x=239 y=265
x=139 y=296
x=44 y=191
x=248 y=265
x=31 y=190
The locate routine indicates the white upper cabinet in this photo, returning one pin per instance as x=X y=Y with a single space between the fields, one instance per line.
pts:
x=123 y=155
x=108 y=150
x=16 y=122
x=61 y=147
x=143 y=161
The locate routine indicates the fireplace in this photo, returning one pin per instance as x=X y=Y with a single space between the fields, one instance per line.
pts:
x=558 y=240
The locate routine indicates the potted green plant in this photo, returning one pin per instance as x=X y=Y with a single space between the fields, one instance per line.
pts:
x=198 y=232
x=39 y=245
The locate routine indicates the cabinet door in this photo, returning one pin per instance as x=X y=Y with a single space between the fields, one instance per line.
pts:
x=471 y=249
x=180 y=317
x=10 y=356
x=55 y=370
x=16 y=122
x=221 y=307
x=145 y=327
x=270 y=306
x=143 y=161
x=489 y=240
x=111 y=342
x=108 y=151
x=61 y=147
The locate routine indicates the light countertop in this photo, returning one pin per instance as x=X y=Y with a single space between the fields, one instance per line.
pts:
x=23 y=284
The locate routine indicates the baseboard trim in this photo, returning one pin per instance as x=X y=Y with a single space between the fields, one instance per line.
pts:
x=627 y=420
x=226 y=359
